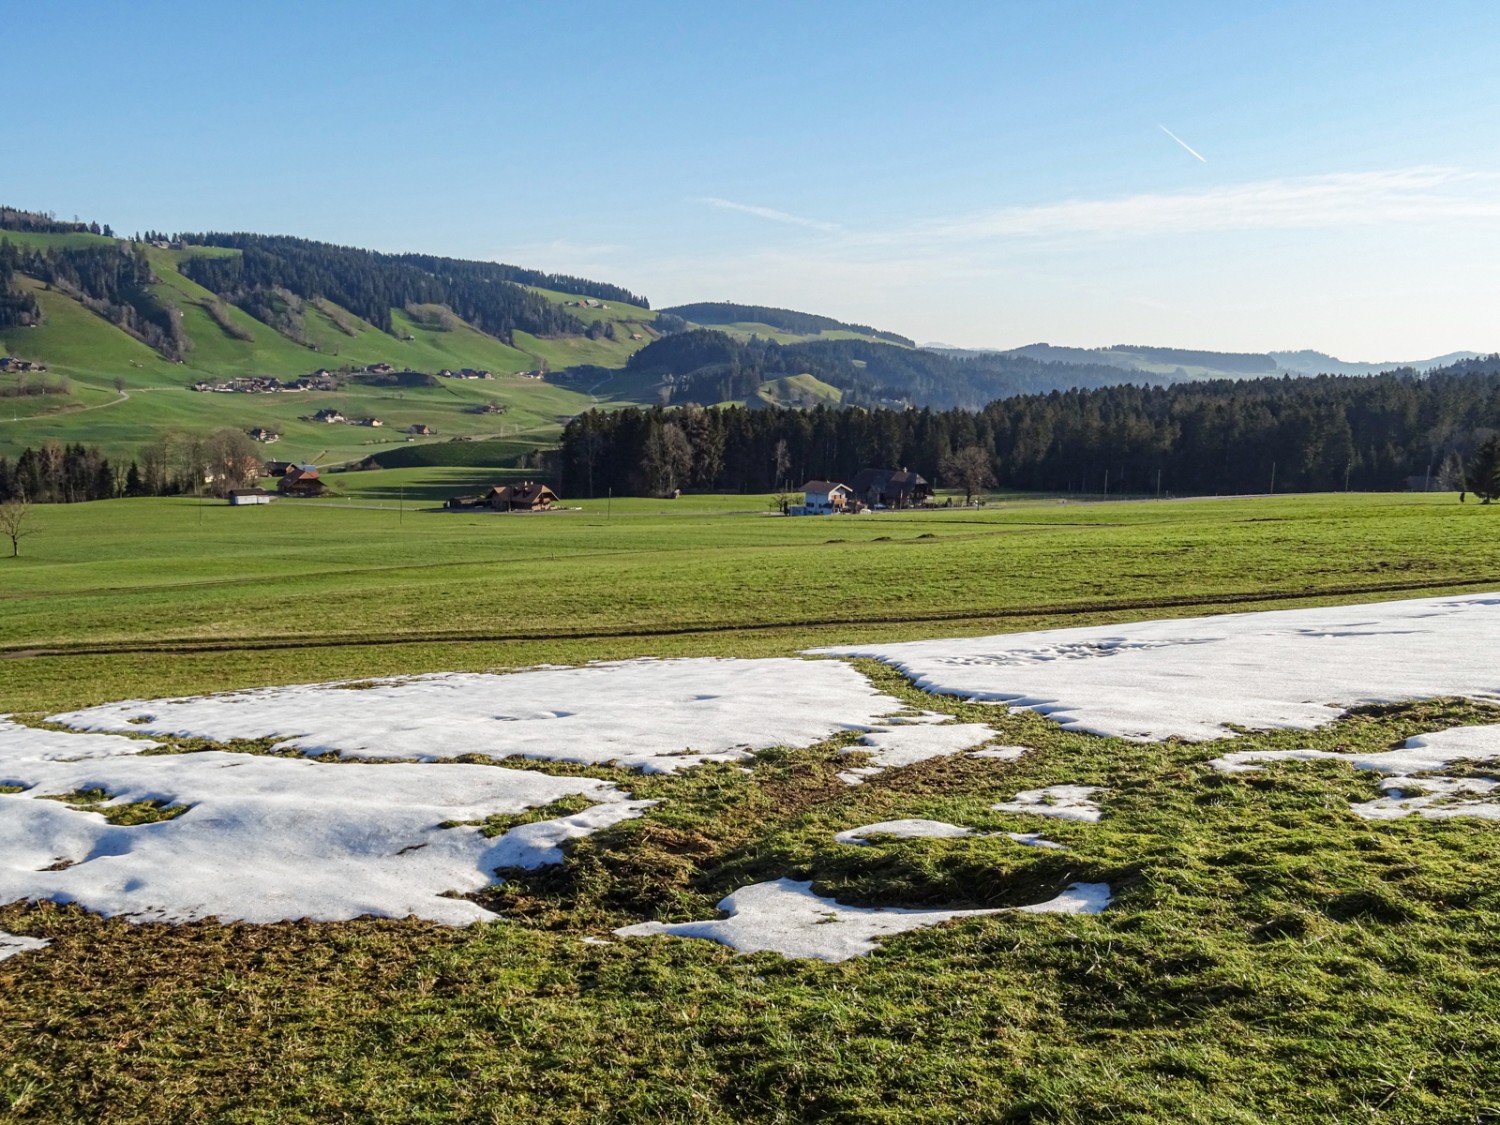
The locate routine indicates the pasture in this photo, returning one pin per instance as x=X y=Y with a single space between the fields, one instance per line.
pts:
x=1267 y=955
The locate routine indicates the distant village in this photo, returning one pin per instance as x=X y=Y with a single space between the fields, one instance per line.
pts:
x=320 y=380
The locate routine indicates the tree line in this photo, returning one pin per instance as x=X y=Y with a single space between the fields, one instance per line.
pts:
x=371 y=284
x=113 y=281
x=1225 y=436
x=18 y=308
x=36 y=222
x=707 y=366
x=173 y=465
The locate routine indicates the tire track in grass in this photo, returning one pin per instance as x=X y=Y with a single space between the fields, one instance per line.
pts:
x=298 y=640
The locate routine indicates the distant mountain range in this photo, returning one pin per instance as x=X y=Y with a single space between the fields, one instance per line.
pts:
x=1183 y=363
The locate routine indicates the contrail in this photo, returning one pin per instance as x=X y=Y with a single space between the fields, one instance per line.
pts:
x=1182 y=142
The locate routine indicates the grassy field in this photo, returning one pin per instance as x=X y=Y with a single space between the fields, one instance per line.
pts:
x=1268 y=957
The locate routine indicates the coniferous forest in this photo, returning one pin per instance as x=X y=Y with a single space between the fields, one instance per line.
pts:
x=1245 y=436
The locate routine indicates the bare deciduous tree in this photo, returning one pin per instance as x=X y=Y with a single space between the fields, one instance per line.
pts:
x=969 y=468
x=13 y=526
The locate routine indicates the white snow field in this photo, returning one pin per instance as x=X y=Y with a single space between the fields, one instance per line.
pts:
x=785 y=917
x=269 y=839
x=1061 y=802
x=651 y=715
x=1148 y=680
x=23 y=743
x=11 y=944
x=1433 y=797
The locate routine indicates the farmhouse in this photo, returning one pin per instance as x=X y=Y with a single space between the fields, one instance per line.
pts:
x=301 y=480
x=239 y=497
x=825 y=497
x=260 y=433
x=372 y=422
x=419 y=430
x=329 y=415
x=891 y=488
x=278 y=468
x=528 y=496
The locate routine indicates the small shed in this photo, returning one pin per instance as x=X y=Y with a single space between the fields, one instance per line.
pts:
x=239 y=497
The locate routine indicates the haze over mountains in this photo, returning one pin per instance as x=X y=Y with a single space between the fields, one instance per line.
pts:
x=1190 y=363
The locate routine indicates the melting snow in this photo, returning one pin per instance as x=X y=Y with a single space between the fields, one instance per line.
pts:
x=11 y=944
x=19 y=742
x=1154 y=679
x=266 y=839
x=908 y=829
x=1434 y=797
x=905 y=746
x=786 y=917
x=1062 y=802
x=653 y=715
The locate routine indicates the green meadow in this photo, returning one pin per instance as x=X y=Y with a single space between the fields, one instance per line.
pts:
x=1268 y=956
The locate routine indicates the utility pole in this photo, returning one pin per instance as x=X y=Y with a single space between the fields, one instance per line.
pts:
x=1273 y=476
x=401 y=510
x=1106 y=484
x=609 y=504
x=1158 y=483
x=1348 y=468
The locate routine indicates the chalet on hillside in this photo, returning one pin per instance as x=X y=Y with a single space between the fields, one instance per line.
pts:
x=278 y=468
x=260 y=433
x=891 y=488
x=301 y=480
x=419 y=430
x=825 y=498
x=329 y=415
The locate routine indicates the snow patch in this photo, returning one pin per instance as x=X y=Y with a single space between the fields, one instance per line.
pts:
x=1286 y=668
x=23 y=743
x=11 y=944
x=1000 y=753
x=785 y=917
x=1436 y=798
x=269 y=839
x=652 y=715
x=1061 y=802
x=906 y=829
x=905 y=746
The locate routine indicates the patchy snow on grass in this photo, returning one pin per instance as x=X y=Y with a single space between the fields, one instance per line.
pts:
x=905 y=746
x=267 y=839
x=1000 y=753
x=1154 y=679
x=11 y=944
x=22 y=743
x=1035 y=840
x=653 y=715
x=906 y=829
x=785 y=917
x=1433 y=797
x=1061 y=802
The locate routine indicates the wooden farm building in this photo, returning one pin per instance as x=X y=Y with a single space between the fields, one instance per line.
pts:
x=891 y=488
x=529 y=496
x=824 y=498
x=301 y=480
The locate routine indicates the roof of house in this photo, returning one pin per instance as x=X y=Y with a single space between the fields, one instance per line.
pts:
x=823 y=486
x=887 y=481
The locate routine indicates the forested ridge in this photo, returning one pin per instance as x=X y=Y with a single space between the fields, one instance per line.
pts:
x=706 y=366
x=1226 y=436
x=788 y=320
x=17 y=307
x=370 y=284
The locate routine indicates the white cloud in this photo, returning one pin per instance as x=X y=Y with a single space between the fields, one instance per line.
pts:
x=1344 y=199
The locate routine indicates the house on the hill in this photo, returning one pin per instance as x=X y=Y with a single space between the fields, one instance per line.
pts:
x=278 y=468
x=891 y=488
x=301 y=480
x=419 y=430
x=824 y=498
x=260 y=433
x=372 y=422
x=528 y=496
x=328 y=415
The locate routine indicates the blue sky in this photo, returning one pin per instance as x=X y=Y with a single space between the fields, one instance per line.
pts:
x=983 y=174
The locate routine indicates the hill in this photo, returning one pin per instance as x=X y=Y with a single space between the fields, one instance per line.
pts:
x=119 y=330
x=784 y=326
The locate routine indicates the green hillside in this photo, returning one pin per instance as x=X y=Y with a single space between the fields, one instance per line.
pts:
x=121 y=392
